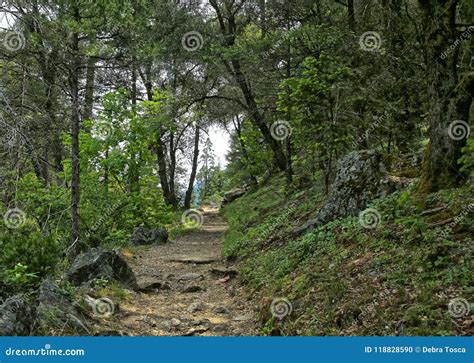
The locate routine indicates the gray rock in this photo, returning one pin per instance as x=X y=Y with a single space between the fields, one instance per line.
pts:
x=232 y=195
x=221 y=310
x=16 y=316
x=98 y=263
x=242 y=318
x=194 y=307
x=152 y=286
x=220 y=328
x=145 y=236
x=111 y=333
x=361 y=177
x=56 y=310
x=223 y=272
x=175 y=322
x=190 y=276
x=191 y=288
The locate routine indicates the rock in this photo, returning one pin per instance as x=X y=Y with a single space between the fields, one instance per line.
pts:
x=199 y=260
x=16 y=316
x=56 y=310
x=197 y=330
x=242 y=318
x=191 y=276
x=221 y=310
x=175 y=322
x=111 y=333
x=145 y=236
x=191 y=288
x=223 y=272
x=194 y=307
x=151 y=286
x=232 y=195
x=220 y=328
x=361 y=177
x=101 y=264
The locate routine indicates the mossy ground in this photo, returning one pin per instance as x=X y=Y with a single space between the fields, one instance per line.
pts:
x=344 y=279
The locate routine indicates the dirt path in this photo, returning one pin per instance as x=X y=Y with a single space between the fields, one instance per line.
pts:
x=190 y=288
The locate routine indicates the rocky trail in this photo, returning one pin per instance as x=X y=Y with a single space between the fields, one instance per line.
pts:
x=186 y=288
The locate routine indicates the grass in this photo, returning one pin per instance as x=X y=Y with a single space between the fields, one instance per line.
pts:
x=343 y=279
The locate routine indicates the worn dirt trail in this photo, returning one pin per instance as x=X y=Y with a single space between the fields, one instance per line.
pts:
x=190 y=288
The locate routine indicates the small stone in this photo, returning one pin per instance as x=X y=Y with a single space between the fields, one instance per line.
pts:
x=221 y=272
x=221 y=310
x=192 y=288
x=150 y=286
x=242 y=318
x=220 y=328
x=191 y=276
x=197 y=330
x=175 y=322
x=194 y=307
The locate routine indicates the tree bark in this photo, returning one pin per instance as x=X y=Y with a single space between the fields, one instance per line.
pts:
x=351 y=14
x=75 y=162
x=90 y=82
x=450 y=100
x=192 y=177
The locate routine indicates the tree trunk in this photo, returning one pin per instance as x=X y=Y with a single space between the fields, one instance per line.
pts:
x=350 y=14
x=192 y=178
x=228 y=28
x=90 y=81
x=172 y=170
x=257 y=118
x=75 y=162
x=245 y=154
x=450 y=101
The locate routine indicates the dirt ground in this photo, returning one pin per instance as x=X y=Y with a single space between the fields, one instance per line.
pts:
x=188 y=288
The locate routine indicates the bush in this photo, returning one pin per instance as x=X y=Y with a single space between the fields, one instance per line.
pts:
x=27 y=256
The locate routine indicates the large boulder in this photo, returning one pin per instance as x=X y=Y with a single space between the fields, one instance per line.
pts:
x=101 y=264
x=145 y=236
x=56 y=310
x=16 y=316
x=232 y=195
x=361 y=177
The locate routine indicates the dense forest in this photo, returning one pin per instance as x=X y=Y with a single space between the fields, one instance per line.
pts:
x=346 y=203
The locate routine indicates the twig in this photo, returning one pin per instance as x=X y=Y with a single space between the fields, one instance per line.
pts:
x=434 y=210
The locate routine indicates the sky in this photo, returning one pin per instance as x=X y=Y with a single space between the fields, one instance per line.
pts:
x=220 y=141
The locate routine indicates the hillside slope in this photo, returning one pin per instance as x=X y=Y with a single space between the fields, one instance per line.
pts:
x=396 y=278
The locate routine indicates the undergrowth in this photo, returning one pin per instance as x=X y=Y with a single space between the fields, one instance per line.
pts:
x=344 y=279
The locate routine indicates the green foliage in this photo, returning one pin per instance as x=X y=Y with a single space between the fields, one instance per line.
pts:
x=350 y=279
x=19 y=276
x=467 y=160
x=28 y=255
